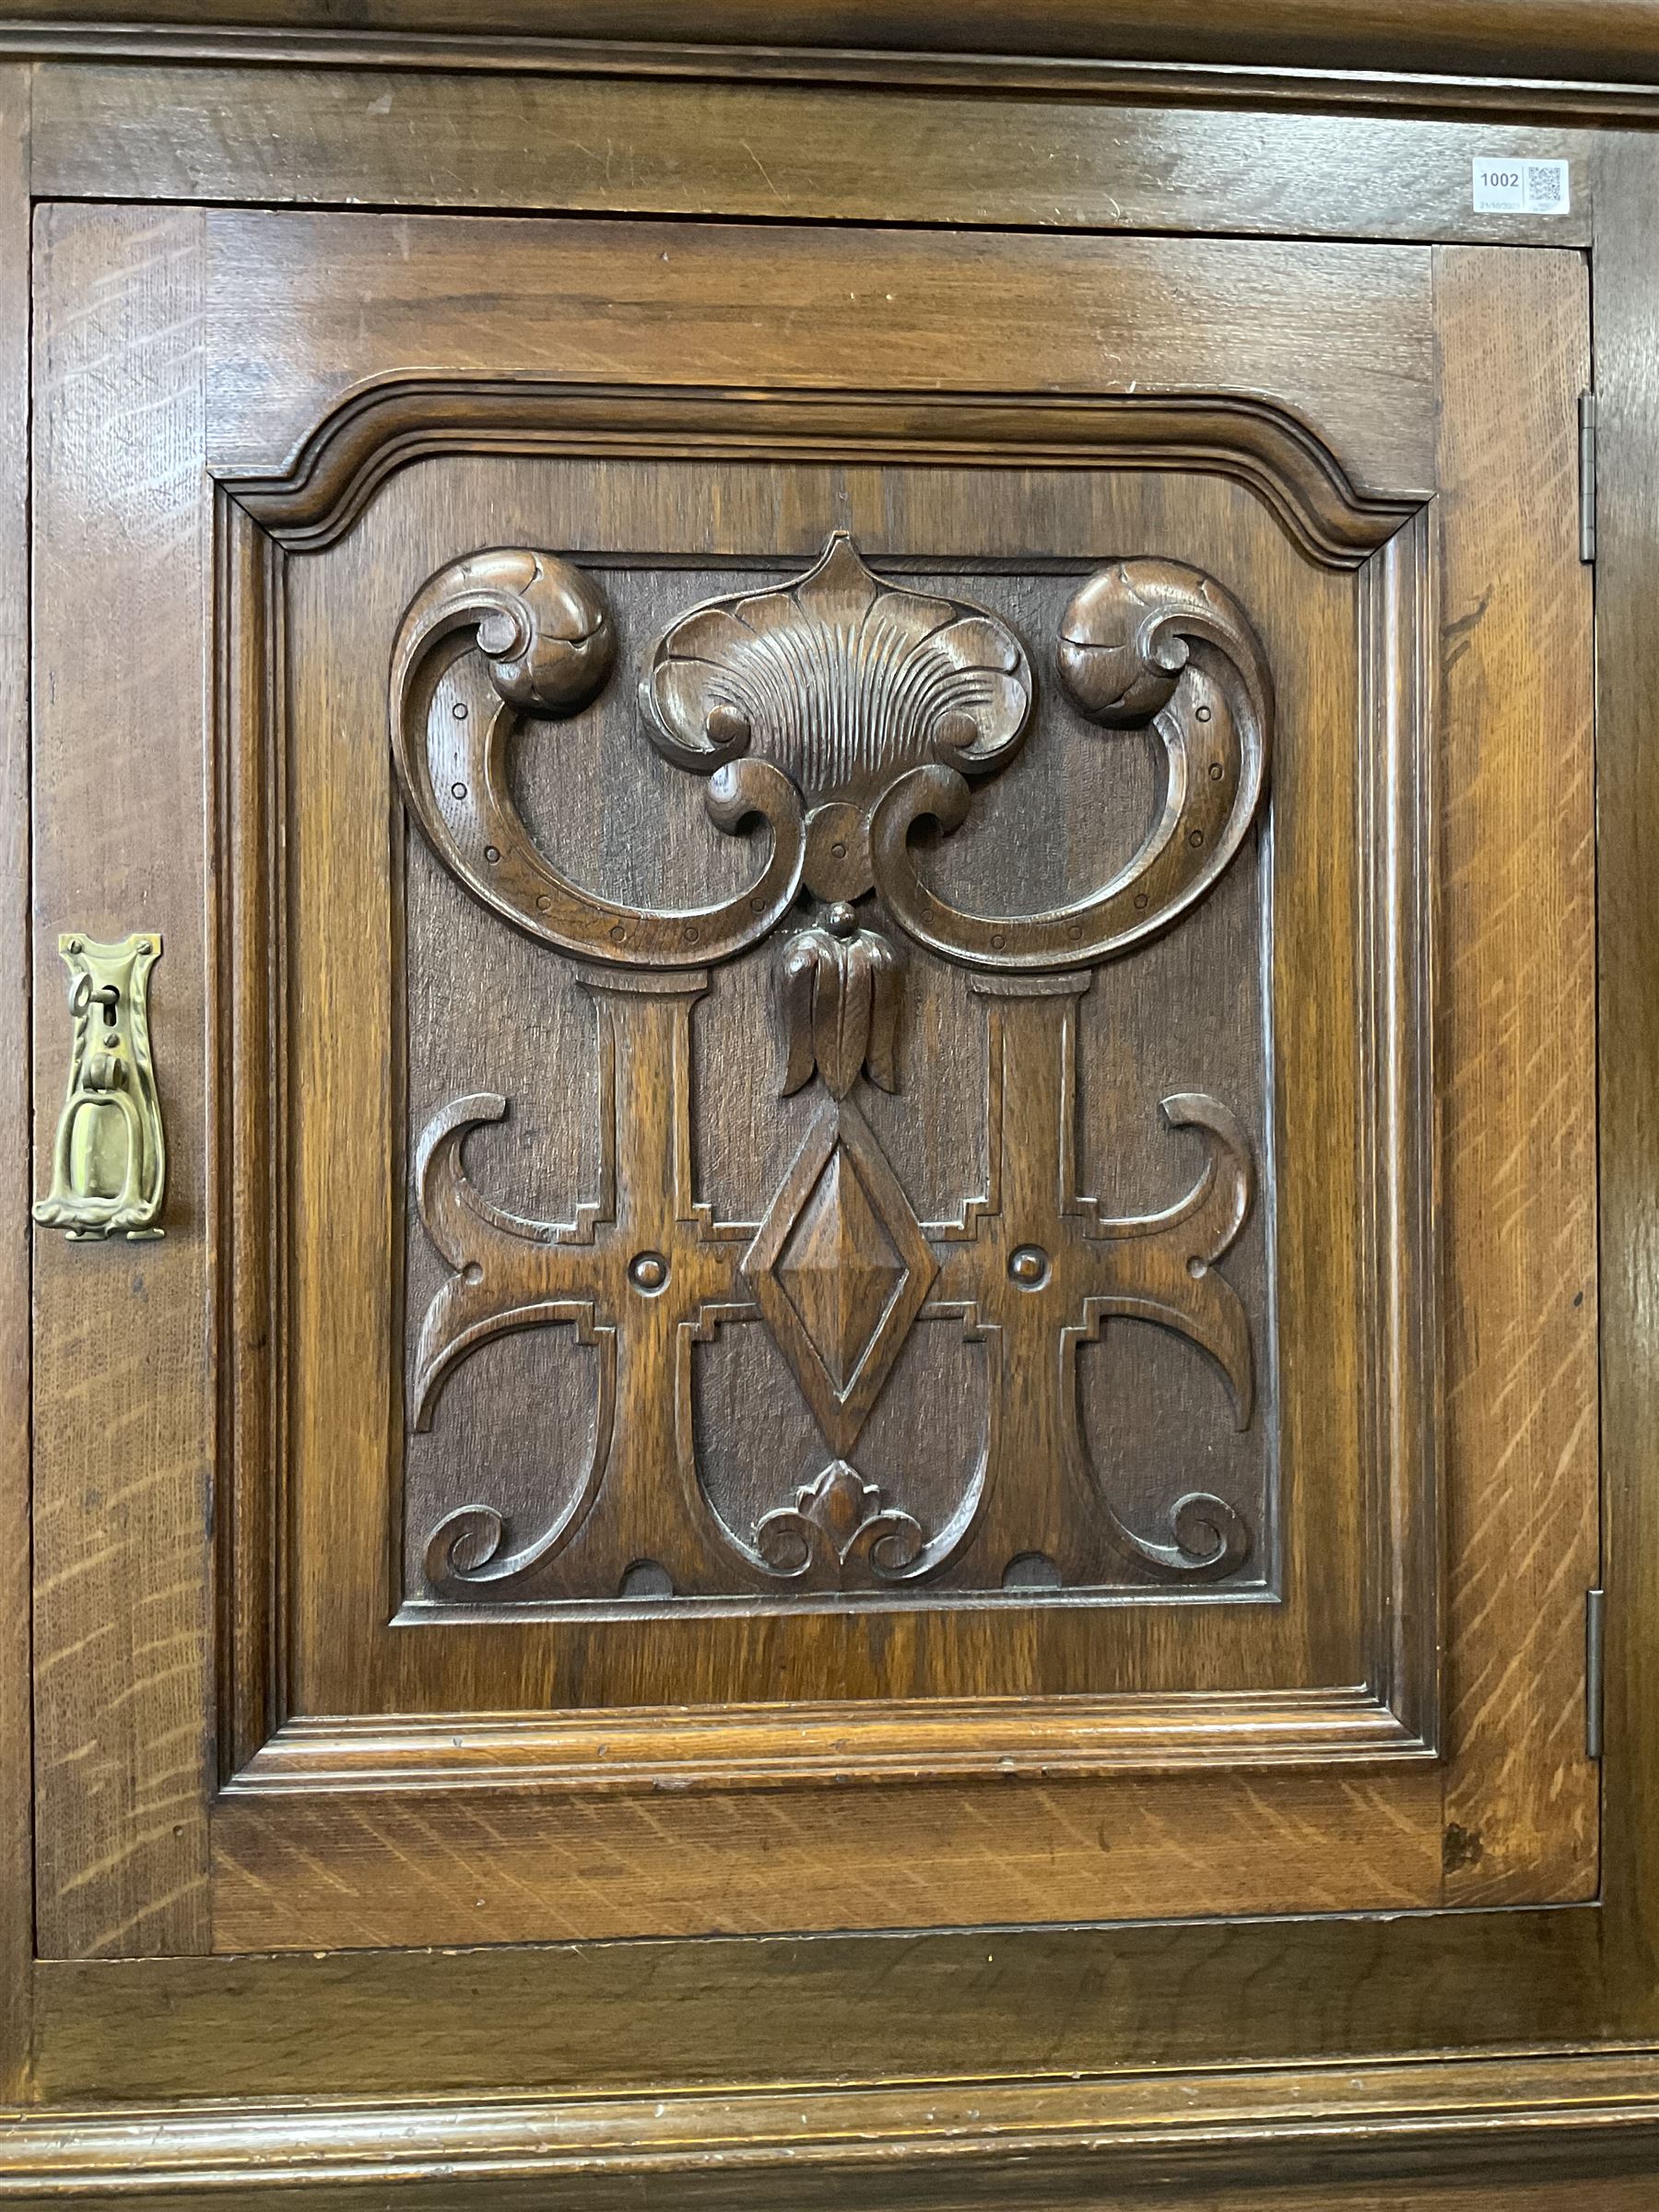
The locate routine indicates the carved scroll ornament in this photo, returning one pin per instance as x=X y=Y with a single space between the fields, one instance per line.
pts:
x=837 y=714
x=1142 y=642
x=546 y=637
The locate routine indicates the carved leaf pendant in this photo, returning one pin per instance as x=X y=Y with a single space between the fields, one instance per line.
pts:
x=837 y=999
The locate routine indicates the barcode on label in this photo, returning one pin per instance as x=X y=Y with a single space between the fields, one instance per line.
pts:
x=1512 y=187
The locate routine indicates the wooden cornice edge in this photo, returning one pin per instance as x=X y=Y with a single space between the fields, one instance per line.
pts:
x=1350 y=66
x=1617 y=40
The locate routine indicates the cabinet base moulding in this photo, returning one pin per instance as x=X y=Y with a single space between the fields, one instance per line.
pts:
x=759 y=1746
x=1469 y=2133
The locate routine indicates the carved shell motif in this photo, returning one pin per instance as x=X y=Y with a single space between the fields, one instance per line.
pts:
x=844 y=682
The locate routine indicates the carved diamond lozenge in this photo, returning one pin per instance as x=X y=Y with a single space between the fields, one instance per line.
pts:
x=840 y=1269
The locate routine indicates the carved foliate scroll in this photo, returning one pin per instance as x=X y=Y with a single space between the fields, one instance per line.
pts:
x=1143 y=641
x=546 y=636
x=840 y=720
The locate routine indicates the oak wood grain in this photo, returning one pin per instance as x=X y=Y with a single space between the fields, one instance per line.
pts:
x=16 y=1154
x=340 y=1416
x=346 y=1063
x=1505 y=38
x=535 y=1870
x=1518 y=1126
x=123 y=1408
x=471 y=1666
x=653 y=2014
x=306 y=318
x=1627 y=316
x=770 y=152
x=977 y=2004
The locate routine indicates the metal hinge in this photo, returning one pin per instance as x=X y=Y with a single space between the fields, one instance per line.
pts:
x=1595 y=1607
x=1586 y=476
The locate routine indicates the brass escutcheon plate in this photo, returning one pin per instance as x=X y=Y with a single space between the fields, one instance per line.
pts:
x=109 y=1162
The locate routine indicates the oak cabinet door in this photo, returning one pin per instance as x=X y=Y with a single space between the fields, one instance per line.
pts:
x=875 y=1018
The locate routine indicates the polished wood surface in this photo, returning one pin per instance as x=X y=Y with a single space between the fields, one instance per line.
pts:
x=681 y=1661
x=248 y=1872
x=770 y=152
x=906 y=2007
x=306 y=318
x=1509 y=39
x=17 y=1825
x=268 y=1846
x=250 y=1834
x=1627 y=804
x=382 y=1867
x=1296 y=2137
x=264 y=1851
x=121 y=1622
x=646 y=2061
x=1518 y=1178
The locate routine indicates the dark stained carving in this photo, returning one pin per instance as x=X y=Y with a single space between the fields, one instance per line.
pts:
x=844 y=712
x=845 y=683
x=543 y=629
x=838 y=1005
x=639 y=1270
x=840 y=1269
x=836 y=1525
x=1040 y=1263
x=1142 y=642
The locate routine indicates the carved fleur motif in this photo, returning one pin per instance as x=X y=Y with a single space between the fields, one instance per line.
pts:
x=836 y=998
x=838 y=1524
x=844 y=682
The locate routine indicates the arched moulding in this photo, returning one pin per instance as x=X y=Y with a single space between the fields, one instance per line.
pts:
x=1142 y=642
x=470 y=1550
x=315 y=496
x=544 y=631
x=1177 y=1284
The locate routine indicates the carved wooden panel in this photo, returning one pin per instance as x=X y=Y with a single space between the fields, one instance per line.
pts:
x=606 y=1260
x=877 y=1318
x=849 y=1168
x=839 y=717
x=945 y=1322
